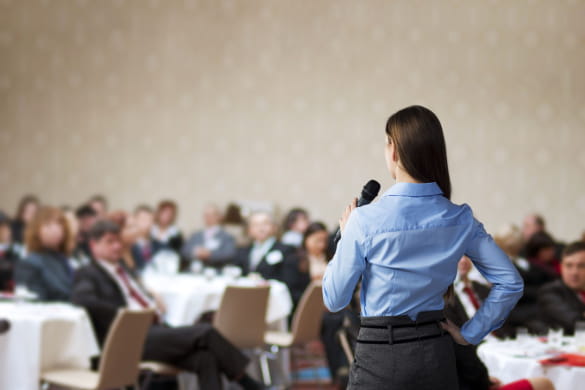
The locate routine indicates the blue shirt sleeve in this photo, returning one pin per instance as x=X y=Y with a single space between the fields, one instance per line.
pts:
x=507 y=285
x=344 y=270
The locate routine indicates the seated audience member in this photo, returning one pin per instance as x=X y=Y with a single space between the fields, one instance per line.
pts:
x=46 y=270
x=526 y=312
x=100 y=204
x=562 y=302
x=314 y=256
x=8 y=254
x=144 y=247
x=212 y=245
x=468 y=295
x=128 y=236
x=295 y=224
x=86 y=217
x=532 y=224
x=165 y=234
x=27 y=208
x=105 y=286
x=541 y=251
x=314 y=252
x=268 y=257
x=235 y=225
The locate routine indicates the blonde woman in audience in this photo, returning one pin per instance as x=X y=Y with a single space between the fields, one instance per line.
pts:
x=47 y=270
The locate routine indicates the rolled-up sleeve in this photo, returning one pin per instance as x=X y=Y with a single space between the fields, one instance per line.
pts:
x=507 y=285
x=344 y=270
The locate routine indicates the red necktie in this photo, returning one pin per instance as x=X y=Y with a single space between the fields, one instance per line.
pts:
x=133 y=293
x=146 y=252
x=582 y=295
x=474 y=301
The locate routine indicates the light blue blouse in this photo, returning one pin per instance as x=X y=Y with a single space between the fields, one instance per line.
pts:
x=406 y=248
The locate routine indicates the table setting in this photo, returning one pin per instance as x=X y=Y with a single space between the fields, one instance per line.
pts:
x=556 y=356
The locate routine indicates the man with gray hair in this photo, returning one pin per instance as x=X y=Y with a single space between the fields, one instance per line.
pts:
x=269 y=257
x=213 y=245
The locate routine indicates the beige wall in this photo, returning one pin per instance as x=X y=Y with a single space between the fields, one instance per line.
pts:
x=285 y=101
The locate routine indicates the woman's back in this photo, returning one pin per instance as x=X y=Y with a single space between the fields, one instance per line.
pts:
x=415 y=237
x=406 y=247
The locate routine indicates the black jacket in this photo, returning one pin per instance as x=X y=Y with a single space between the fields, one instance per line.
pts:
x=99 y=294
x=560 y=306
x=286 y=270
x=471 y=372
x=47 y=274
x=8 y=260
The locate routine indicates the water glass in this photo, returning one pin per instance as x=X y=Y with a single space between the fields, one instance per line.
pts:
x=580 y=333
x=555 y=337
x=522 y=335
x=196 y=267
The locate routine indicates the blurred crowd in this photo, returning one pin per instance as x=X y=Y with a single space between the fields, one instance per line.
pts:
x=42 y=247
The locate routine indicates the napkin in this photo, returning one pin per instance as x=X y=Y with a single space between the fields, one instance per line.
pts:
x=565 y=359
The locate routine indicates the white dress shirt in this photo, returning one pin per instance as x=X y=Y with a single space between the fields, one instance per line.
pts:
x=259 y=250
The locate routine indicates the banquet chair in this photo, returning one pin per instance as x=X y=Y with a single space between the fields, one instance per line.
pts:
x=306 y=322
x=119 y=361
x=241 y=318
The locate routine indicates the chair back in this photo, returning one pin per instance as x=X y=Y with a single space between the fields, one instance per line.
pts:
x=306 y=323
x=123 y=348
x=241 y=317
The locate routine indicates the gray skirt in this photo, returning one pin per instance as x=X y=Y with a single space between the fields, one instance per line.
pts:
x=396 y=353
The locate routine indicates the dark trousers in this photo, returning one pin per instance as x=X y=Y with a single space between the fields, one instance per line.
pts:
x=332 y=323
x=398 y=353
x=197 y=348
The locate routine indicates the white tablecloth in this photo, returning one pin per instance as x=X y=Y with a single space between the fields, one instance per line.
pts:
x=188 y=296
x=42 y=337
x=512 y=360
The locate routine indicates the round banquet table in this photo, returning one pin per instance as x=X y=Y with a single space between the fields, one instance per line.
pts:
x=187 y=296
x=511 y=360
x=43 y=336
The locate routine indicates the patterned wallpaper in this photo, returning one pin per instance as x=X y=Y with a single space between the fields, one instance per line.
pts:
x=285 y=101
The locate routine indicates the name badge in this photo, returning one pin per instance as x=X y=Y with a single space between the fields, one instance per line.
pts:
x=274 y=257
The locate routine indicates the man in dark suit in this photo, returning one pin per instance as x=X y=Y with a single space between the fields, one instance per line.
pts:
x=562 y=302
x=270 y=258
x=105 y=286
x=468 y=295
x=213 y=245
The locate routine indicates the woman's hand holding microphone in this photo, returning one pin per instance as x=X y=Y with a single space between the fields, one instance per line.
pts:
x=347 y=213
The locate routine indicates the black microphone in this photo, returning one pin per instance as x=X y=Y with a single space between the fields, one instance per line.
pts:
x=4 y=326
x=369 y=193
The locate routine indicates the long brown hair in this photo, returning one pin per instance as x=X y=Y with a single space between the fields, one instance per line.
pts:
x=24 y=201
x=166 y=204
x=33 y=230
x=418 y=138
